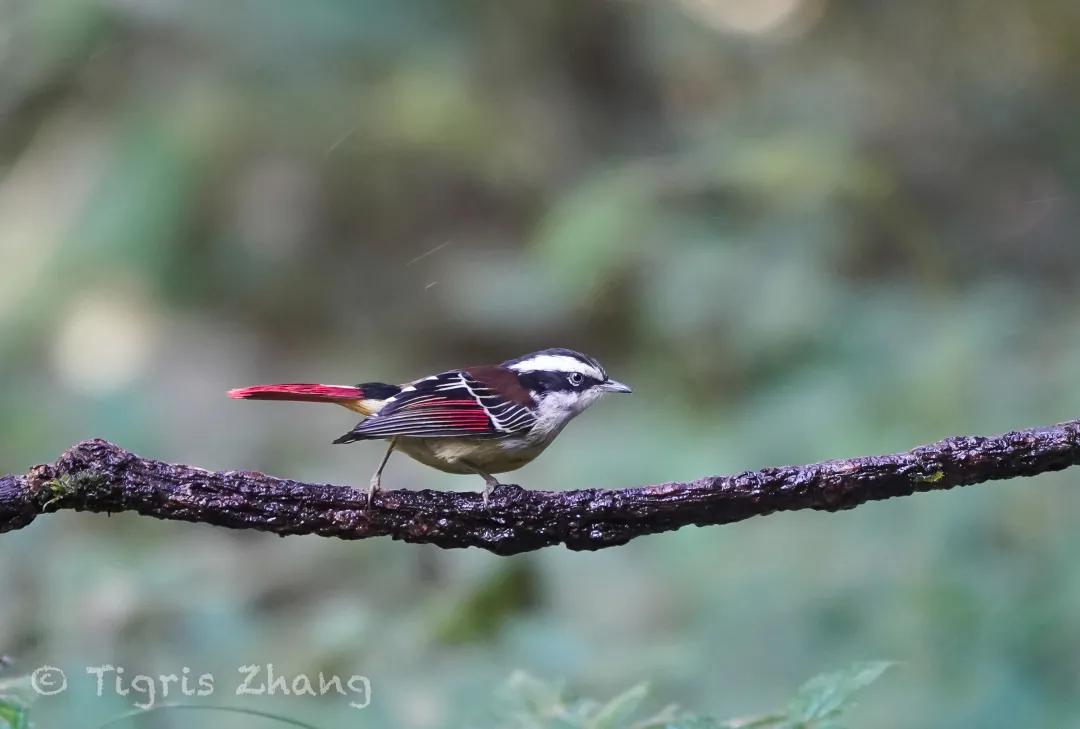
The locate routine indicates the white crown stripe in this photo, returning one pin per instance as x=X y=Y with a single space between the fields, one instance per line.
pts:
x=557 y=363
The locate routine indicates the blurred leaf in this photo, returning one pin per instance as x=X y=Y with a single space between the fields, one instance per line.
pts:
x=292 y=35
x=755 y=722
x=56 y=36
x=616 y=712
x=595 y=230
x=824 y=697
x=534 y=690
x=696 y=722
x=16 y=695
x=510 y=588
x=163 y=708
x=138 y=208
x=530 y=697
x=800 y=170
x=536 y=704
x=13 y=716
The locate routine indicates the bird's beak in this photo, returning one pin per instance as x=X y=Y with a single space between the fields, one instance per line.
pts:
x=614 y=386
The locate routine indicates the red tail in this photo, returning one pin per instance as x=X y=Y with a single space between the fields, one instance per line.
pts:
x=298 y=392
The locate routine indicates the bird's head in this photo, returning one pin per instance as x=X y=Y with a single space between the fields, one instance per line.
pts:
x=563 y=382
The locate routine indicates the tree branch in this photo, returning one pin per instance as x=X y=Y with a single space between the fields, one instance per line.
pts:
x=102 y=477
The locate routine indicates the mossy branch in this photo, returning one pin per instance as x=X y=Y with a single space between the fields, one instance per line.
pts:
x=102 y=477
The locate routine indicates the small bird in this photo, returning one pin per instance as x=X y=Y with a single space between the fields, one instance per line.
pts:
x=483 y=420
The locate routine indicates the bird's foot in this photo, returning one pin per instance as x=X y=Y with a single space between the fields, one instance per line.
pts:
x=373 y=488
x=490 y=484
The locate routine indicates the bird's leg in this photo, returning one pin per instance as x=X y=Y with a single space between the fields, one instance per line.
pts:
x=376 y=479
x=490 y=482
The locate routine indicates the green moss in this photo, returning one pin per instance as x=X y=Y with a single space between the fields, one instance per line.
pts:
x=68 y=485
x=932 y=478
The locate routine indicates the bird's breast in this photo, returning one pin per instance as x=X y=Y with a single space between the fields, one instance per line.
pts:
x=492 y=455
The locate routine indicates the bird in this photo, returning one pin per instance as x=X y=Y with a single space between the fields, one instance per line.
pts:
x=481 y=420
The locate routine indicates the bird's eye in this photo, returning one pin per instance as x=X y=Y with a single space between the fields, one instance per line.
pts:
x=576 y=378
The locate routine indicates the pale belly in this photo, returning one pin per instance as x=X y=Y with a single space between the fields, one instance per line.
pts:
x=491 y=455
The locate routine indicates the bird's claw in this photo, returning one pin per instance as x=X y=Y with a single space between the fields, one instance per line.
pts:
x=489 y=489
x=373 y=488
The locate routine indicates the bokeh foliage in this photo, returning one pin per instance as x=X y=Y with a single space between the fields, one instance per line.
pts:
x=801 y=229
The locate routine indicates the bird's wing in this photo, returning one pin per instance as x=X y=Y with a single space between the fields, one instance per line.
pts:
x=459 y=403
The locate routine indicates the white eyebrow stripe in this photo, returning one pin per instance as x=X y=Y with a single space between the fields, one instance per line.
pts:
x=557 y=363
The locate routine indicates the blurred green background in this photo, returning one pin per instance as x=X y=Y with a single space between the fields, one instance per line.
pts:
x=801 y=229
